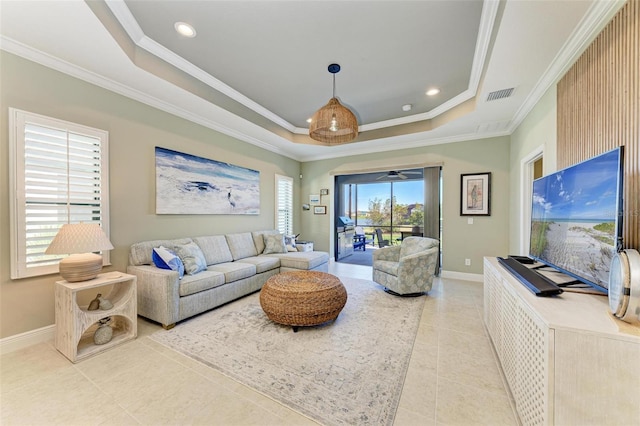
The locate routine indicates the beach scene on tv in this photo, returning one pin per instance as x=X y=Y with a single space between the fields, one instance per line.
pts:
x=574 y=214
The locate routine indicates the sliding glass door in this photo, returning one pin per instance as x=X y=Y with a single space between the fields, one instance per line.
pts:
x=396 y=208
x=398 y=203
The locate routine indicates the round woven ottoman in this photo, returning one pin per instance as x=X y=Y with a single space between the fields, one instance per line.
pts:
x=302 y=298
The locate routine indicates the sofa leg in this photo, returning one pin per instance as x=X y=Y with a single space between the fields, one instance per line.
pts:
x=168 y=326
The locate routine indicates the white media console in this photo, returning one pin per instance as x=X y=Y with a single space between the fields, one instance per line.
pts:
x=566 y=359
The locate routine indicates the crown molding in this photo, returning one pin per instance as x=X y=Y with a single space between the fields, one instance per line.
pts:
x=129 y=23
x=49 y=61
x=133 y=29
x=395 y=143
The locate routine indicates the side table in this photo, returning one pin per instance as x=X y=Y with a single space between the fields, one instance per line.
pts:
x=75 y=325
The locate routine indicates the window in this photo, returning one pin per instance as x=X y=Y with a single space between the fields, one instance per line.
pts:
x=284 y=204
x=59 y=175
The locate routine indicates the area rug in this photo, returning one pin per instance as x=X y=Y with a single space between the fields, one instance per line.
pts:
x=350 y=371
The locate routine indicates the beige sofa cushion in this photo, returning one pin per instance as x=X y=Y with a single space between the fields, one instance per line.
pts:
x=215 y=249
x=301 y=260
x=241 y=245
x=263 y=263
x=201 y=281
x=234 y=271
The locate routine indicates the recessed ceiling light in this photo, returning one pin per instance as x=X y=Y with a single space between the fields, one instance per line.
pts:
x=185 y=29
x=432 y=92
x=309 y=120
x=407 y=107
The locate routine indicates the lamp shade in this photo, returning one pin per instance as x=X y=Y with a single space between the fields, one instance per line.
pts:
x=333 y=123
x=80 y=240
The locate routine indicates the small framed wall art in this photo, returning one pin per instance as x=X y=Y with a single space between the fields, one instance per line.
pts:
x=314 y=199
x=324 y=191
x=475 y=194
x=319 y=209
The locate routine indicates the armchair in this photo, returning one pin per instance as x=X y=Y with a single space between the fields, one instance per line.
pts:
x=407 y=269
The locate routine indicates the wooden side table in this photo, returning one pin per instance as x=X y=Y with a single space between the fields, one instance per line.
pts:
x=75 y=325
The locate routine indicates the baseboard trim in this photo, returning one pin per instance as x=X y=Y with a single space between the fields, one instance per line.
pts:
x=462 y=276
x=32 y=337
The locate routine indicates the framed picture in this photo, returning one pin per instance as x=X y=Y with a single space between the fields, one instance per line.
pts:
x=319 y=209
x=324 y=192
x=475 y=194
x=188 y=184
x=314 y=199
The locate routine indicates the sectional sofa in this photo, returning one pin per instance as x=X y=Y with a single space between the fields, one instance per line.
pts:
x=236 y=265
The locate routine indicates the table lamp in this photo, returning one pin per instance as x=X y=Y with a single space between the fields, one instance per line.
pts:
x=79 y=240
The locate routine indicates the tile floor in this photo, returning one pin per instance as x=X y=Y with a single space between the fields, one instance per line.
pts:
x=453 y=378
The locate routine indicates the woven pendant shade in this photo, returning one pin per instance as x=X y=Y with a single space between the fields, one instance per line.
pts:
x=333 y=123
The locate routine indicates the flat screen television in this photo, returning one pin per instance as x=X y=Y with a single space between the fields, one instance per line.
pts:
x=576 y=218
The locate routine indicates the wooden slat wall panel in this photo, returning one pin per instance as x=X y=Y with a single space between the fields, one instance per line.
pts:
x=599 y=107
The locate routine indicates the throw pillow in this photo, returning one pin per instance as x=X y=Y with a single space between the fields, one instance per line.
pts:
x=290 y=242
x=164 y=258
x=192 y=257
x=274 y=243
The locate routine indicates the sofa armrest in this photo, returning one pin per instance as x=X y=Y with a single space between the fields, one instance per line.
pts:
x=390 y=253
x=158 y=293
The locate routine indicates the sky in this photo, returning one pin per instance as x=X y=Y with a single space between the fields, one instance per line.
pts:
x=588 y=190
x=408 y=192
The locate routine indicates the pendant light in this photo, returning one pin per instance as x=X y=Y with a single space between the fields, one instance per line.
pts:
x=333 y=123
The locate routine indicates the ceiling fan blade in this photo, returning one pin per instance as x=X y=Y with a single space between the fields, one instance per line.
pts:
x=408 y=172
x=381 y=177
x=402 y=176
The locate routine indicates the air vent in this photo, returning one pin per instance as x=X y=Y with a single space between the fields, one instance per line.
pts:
x=499 y=94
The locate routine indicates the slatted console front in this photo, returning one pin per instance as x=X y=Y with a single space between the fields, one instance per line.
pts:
x=565 y=358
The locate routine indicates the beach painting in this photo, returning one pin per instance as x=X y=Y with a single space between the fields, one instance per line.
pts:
x=574 y=219
x=188 y=184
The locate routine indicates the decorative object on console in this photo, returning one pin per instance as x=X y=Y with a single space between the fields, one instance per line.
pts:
x=95 y=303
x=188 y=184
x=333 y=123
x=105 y=304
x=104 y=332
x=475 y=194
x=624 y=286
x=80 y=241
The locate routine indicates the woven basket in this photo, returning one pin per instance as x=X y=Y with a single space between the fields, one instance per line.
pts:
x=303 y=298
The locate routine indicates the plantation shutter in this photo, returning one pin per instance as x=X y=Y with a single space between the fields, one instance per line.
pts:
x=284 y=204
x=60 y=177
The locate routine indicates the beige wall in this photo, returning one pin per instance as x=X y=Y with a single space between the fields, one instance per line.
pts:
x=134 y=130
x=488 y=236
x=538 y=130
